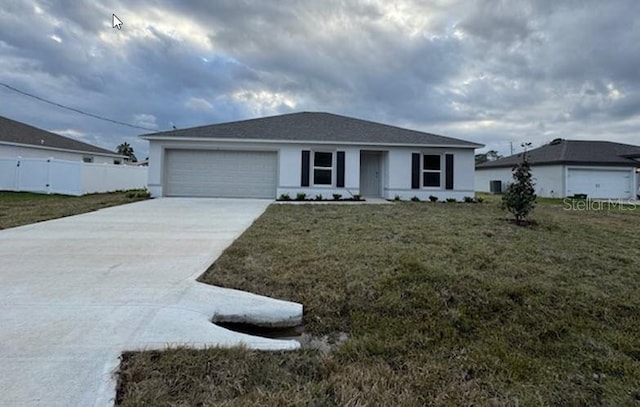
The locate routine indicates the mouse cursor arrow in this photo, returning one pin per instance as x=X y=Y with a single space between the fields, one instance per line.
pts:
x=116 y=22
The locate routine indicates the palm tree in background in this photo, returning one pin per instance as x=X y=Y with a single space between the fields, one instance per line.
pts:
x=126 y=150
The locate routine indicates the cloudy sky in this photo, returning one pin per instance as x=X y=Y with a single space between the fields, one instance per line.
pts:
x=493 y=72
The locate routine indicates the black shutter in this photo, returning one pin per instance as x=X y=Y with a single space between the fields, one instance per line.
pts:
x=306 y=165
x=415 y=171
x=448 y=171
x=340 y=169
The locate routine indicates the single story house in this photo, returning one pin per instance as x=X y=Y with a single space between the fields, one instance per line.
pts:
x=562 y=168
x=22 y=140
x=310 y=152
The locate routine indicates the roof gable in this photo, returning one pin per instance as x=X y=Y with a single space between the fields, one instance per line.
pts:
x=577 y=152
x=15 y=132
x=313 y=127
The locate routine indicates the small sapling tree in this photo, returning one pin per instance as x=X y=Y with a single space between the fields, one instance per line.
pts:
x=520 y=197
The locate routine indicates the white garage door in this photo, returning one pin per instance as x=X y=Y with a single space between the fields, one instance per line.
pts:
x=600 y=183
x=224 y=174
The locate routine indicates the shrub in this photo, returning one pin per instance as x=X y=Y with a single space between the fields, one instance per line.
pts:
x=396 y=198
x=433 y=198
x=319 y=197
x=450 y=200
x=520 y=197
x=284 y=197
x=138 y=193
x=469 y=199
x=479 y=199
x=336 y=197
x=300 y=196
x=357 y=197
x=415 y=199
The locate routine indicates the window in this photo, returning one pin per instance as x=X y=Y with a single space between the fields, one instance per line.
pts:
x=87 y=159
x=322 y=168
x=431 y=170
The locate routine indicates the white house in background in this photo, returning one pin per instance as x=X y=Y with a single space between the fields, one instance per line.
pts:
x=562 y=168
x=21 y=140
x=314 y=153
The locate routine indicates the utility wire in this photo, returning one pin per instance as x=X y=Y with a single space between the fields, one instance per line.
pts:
x=95 y=116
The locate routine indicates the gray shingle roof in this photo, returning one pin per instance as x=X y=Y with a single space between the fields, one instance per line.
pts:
x=12 y=131
x=314 y=127
x=574 y=152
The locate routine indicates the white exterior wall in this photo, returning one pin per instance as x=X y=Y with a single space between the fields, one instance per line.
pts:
x=395 y=168
x=156 y=165
x=11 y=151
x=398 y=174
x=485 y=176
x=290 y=163
x=549 y=179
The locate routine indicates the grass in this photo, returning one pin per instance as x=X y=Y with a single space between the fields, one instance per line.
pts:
x=444 y=304
x=23 y=208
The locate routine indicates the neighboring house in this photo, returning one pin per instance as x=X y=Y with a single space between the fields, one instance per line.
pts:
x=600 y=169
x=21 y=140
x=314 y=153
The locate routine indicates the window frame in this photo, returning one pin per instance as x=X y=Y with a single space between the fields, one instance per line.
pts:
x=314 y=167
x=424 y=171
x=87 y=159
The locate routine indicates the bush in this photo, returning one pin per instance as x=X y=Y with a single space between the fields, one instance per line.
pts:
x=357 y=197
x=138 y=193
x=336 y=197
x=301 y=196
x=433 y=198
x=284 y=197
x=479 y=199
x=396 y=198
x=319 y=197
x=469 y=199
x=451 y=200
x=415 y=199
x=520 y=197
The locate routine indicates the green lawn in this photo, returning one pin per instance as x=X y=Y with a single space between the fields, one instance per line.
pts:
x=23 y=208
x=444 y=304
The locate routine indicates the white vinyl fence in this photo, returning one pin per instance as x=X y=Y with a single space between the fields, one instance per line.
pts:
x=51 y=176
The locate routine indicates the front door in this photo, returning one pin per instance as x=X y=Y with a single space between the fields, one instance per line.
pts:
x=370 y=174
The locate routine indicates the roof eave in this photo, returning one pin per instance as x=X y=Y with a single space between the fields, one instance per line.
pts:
x=565 y=162
x=272 y=141
x=66 y=150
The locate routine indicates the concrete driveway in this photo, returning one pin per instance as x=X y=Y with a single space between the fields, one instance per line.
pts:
x=76 y=292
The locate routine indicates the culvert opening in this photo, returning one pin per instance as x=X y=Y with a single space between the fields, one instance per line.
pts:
x=291 y=332
x=325 y=344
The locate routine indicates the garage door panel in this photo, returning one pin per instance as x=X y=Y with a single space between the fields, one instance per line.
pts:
x=226 y=174
x=600 y=183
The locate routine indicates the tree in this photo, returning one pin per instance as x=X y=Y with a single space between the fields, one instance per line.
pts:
x=490 y=155
x=520 y=197
x=126 y=150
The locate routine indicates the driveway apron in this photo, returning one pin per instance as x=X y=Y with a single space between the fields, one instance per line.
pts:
x=76 y=292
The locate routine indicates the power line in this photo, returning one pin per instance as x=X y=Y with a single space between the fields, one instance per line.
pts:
x=95 y=116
